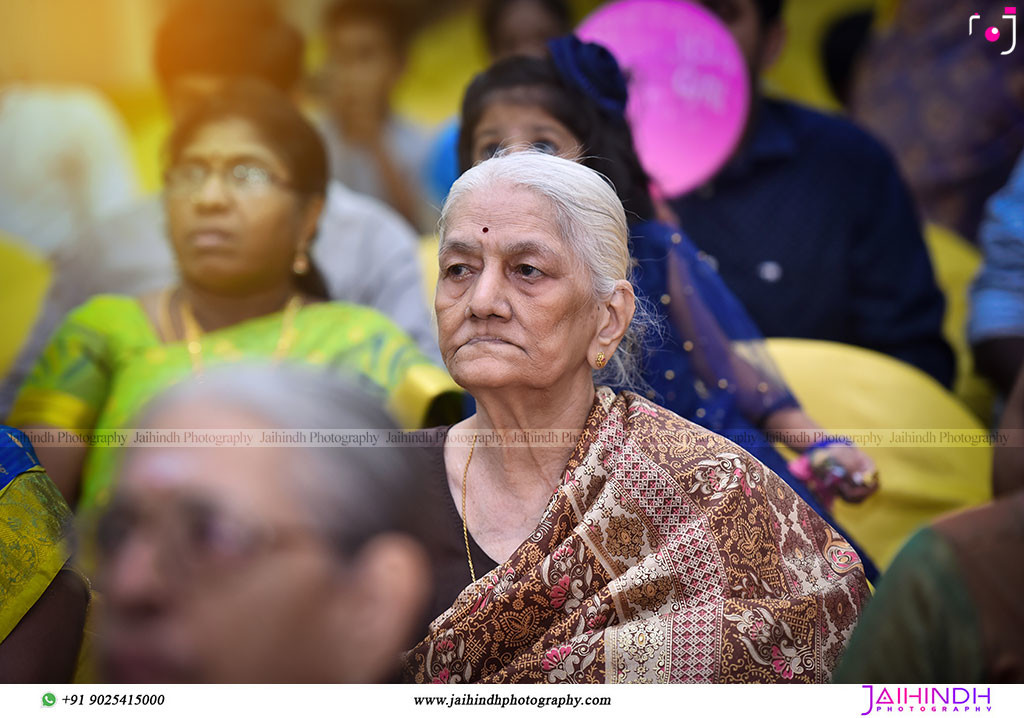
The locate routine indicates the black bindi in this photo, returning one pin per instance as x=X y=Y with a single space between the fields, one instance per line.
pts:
x=485 y=230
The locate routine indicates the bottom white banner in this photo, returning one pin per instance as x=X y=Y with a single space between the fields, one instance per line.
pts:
x=846 y=701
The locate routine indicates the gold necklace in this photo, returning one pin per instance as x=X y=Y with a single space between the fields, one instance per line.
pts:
x=194 y=332
x=465 y=527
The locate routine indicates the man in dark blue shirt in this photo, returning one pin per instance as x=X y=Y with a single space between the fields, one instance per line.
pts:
x=811 y=225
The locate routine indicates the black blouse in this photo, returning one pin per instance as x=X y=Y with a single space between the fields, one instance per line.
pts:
x=445 y=543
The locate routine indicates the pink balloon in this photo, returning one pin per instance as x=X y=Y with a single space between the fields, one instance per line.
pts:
x=689 y=88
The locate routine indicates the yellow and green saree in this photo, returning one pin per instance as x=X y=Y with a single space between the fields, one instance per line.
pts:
x=106 y=362
x=34 y=525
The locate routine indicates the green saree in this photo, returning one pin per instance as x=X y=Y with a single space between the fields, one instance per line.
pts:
x=106 y=362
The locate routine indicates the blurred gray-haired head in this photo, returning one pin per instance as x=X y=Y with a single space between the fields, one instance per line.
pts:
x=353 y=493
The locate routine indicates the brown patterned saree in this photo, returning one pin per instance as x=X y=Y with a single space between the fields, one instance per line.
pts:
x=667 y=555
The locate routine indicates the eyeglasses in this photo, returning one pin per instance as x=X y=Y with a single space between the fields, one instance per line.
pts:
x=195 y=538
x=242 y=177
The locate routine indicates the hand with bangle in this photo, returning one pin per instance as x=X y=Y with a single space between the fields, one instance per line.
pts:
x=834 y=467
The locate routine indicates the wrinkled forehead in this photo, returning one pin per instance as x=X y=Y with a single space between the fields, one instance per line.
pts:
x=502 y=214
x=498 y=202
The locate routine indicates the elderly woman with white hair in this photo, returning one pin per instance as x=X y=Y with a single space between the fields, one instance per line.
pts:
x=603 y=538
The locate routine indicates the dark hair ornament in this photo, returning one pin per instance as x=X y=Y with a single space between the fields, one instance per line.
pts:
x=593 y=70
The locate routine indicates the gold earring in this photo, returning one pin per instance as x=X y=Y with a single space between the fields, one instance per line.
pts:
x=301 y=264
x=600 y=360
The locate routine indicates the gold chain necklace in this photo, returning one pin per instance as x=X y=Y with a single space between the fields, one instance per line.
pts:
x=465 y=527
x=194 y=332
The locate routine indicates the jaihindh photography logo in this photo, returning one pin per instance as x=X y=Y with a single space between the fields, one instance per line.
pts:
x=927 y=699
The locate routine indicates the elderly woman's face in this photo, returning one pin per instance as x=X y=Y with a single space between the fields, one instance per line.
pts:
x=514 y=306
x=234 y=224
x=211 y=568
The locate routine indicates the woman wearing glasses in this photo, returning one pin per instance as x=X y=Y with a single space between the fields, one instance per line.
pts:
x=244 y=189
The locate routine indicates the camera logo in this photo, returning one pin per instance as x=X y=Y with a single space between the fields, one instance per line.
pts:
x=993 y=34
